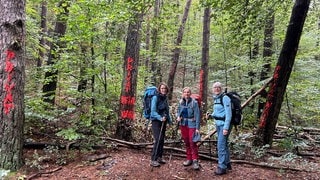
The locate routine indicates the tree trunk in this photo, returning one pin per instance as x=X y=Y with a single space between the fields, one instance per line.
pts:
x=253 y=57
x=267 y=55
x=12 y=82
x=147 y=58
x=156 y=74
x=93 y=78
x=177 y=49
x=129 y=82
x=50 y=87
x=43 y=26
x=317 y=57
x=281 y=74
x=203 y=92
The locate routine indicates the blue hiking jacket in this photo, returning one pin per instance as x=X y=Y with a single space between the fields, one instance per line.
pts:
x=160 y=108
x=222 y=113
x=193 y=113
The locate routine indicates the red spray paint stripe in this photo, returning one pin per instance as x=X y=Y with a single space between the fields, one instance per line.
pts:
x=8 y=99
x=271 y=95
x=128 y=100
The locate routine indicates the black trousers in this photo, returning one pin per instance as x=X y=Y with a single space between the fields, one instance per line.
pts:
x=158 y=131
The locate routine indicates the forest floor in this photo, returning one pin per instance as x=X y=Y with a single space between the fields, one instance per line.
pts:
x=120 y=162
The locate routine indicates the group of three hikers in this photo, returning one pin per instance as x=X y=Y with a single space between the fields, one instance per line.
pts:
x=188 y=116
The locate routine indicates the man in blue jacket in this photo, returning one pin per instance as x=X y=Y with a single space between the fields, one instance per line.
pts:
x=222 y=115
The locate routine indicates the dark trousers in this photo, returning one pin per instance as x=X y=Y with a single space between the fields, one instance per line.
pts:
x=157 y=150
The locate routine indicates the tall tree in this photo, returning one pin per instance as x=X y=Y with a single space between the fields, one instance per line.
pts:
x=155 y=68
x=129 y=82
x=12 y=82
x=205 y=59
x=177 y=49
x=43 y=26
x=50 y=86
x=281 y=74
x=267 y=55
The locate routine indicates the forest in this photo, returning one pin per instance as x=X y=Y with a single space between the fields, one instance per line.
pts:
x=73 y=75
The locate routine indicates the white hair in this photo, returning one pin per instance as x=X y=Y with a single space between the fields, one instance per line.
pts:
x=217 y=84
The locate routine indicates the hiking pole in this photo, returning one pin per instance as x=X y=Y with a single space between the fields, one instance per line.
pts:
x=157 y=146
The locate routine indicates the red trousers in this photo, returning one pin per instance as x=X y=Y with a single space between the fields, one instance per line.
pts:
x=191 y=147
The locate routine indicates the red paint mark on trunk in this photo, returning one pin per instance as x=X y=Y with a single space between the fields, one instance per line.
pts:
x=128 y=101
x=270 y=97
x=8 y=86
x=129 y=68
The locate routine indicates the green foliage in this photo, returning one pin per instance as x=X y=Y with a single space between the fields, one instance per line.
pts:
x=287 y=144
x=94 y=51
x=36 y=160
x=69 y=134
x=259 y=152
x=286 y=158
x=36 y=110
x=59 y=156
x=239 y=144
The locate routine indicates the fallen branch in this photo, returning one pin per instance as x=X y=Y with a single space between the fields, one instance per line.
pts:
x=45 y=172
x=206 y=137
x=131 y=144
x=305 y=129
x=268 y=81
x=93 y=158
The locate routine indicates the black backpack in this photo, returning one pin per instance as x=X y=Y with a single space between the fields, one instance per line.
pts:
x=147 y=97
x=236 y=109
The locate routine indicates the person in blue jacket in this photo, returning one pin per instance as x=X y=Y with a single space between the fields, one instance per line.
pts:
x=159 y=117
x=188 y=116
x=222 y=115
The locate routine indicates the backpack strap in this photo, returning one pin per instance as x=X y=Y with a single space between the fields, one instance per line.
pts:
x=221 y=98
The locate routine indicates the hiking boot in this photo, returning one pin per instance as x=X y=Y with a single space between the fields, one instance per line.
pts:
x=220 y=171
x=195 y=165
x=229 y=168
x=187 y=163
x=154 y=164
x=161 y=161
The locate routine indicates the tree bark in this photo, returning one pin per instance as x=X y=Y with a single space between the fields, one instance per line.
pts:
x=156 y=75
x=43 y=26
x=281 y=74
x=177 y=49
x=50 y=87
x=267 y=55
x=129 y=82
x=203 y=92
x=82 y=84
x=12 y=82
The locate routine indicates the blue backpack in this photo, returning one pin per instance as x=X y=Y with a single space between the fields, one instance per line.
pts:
x=147 y=97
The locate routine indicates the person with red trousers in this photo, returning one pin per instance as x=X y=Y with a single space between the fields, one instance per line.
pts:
x=188 y=117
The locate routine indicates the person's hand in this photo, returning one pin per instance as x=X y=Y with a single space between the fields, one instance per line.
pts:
x=163 y=119
x=197 y=131
x=208 y=115
x=225 y=132
x=179 y=119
